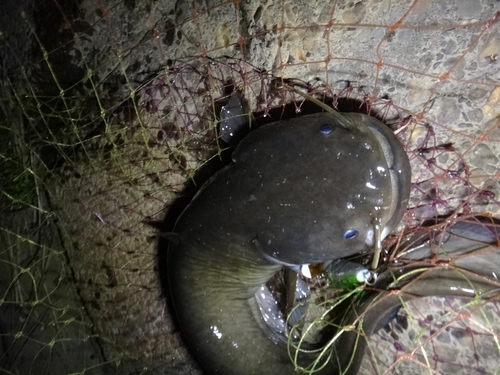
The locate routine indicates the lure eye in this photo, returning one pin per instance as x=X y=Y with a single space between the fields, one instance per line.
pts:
x=350 y=234
x=326 y=129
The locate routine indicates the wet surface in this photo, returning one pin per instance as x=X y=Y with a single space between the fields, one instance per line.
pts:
x=429 y=69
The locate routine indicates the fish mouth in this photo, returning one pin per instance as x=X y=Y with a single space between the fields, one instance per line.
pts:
x=353 y=273
x=288 y=303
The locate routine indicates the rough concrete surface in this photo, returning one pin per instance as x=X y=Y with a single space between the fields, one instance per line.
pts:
x=117 y=105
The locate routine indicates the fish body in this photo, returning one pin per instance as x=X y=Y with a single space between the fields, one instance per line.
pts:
x=295 y=194
x=300 y=191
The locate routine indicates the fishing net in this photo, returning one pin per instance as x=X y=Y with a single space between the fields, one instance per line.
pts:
x=108 y=119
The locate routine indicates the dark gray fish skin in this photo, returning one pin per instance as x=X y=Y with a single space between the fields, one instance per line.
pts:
x=460 y=238
x=397 y=159
x=279 y=204
x=291 y=194
x=236 y=119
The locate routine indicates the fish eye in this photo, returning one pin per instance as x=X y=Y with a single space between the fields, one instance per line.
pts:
x=350 y=234
x=325 y=129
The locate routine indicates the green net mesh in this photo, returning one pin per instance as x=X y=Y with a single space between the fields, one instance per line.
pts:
x=108 y=110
